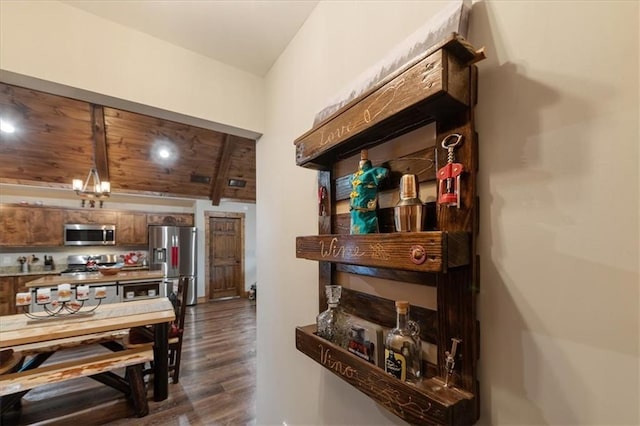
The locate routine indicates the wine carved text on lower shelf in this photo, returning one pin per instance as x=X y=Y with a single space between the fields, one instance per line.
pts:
x=336 y=250
x=333 y=364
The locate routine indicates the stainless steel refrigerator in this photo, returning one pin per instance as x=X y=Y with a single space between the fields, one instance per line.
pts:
x=172 y=249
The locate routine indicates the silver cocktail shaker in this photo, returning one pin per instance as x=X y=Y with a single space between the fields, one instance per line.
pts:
x=408 y=213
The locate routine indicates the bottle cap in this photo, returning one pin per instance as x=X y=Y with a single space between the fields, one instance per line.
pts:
x=402 y=306
x=333 y=293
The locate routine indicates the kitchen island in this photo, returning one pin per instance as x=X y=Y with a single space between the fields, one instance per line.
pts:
x=121 y=287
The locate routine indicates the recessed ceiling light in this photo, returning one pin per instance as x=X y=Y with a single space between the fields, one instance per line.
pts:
x=6 y=127
x=164 y=153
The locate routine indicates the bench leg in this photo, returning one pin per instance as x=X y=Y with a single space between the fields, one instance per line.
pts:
x=138 y=390
x=11 y=402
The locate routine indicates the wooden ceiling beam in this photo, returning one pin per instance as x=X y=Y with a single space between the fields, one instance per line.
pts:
x=219 y=178
x=99 y=141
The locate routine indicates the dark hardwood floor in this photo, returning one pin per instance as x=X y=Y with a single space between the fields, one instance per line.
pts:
x=217 y=380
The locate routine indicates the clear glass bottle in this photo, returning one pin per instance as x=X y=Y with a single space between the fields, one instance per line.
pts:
x=402 y=351
x=333 y=323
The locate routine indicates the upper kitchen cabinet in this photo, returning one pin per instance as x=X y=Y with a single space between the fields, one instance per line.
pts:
x=136 y=153
x=131 y=229
x=31 y=226
x=91 y=216
x=179 y=219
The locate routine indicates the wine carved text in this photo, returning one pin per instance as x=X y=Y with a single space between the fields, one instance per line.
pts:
x=333 y=364
x=336 y=250
x=330 y=135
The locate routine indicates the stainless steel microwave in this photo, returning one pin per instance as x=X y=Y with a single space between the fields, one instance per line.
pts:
x=89 y=235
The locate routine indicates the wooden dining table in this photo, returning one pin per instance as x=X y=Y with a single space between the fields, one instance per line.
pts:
x=45 y=336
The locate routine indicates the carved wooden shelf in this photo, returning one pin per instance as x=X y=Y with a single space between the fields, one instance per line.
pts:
x=427 y=403
x=432 y=251
x=440 y=85
x=433 y=86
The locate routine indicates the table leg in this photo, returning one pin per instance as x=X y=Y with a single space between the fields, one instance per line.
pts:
x=8 y=401
x=161 y=362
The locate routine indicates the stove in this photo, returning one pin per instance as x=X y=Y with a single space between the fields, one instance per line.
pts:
x=86 y=264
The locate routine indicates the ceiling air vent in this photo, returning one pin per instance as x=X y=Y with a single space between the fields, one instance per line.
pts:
x=238 y=183
x=200 y=179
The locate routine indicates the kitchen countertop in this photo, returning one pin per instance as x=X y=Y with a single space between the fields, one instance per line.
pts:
x=26 y=274
x=95 y=278
x=15 y=271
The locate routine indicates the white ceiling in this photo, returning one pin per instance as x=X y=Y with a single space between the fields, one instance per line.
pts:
x=246 y=34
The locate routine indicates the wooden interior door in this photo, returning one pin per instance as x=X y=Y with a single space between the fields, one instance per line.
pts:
x=226 y=277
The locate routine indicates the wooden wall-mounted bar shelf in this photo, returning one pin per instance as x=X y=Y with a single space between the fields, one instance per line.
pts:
x=439 y=85
x=431 y=88
x=432 y=251
x=429 y=403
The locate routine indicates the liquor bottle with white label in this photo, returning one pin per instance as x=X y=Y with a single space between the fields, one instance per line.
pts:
x=402 y=352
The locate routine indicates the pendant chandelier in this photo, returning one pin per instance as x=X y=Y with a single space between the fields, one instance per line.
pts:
x=93 y=189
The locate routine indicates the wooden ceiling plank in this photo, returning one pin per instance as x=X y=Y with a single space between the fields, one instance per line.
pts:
x=219 y=180
x=100 y=141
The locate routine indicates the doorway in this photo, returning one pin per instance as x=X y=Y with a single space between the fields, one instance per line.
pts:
x=224 y=263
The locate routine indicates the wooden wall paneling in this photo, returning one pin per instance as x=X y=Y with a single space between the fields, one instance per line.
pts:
x=243 y=167
x=53 y=140
x=420 y=163
x=219 y=180
x=59 y=139
x=413 y=277
x=100 y=142
x=132 y=143
x=383 y=311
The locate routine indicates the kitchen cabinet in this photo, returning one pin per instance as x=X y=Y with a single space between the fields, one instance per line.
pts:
x=7 y=295
x=11 y=285
x=31 y=226
x=84 y=216
x=179 y=219
x=434 y=96
x=131 y=229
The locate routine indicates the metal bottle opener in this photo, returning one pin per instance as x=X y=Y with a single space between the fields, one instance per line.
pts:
x=449 y=175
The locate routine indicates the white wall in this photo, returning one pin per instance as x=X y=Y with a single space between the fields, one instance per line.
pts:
x=559 y=187
x=60 y=43
x=90 y=58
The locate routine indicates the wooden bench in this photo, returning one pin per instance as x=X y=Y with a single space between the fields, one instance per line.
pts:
x=105 y=326
x=99 y=367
